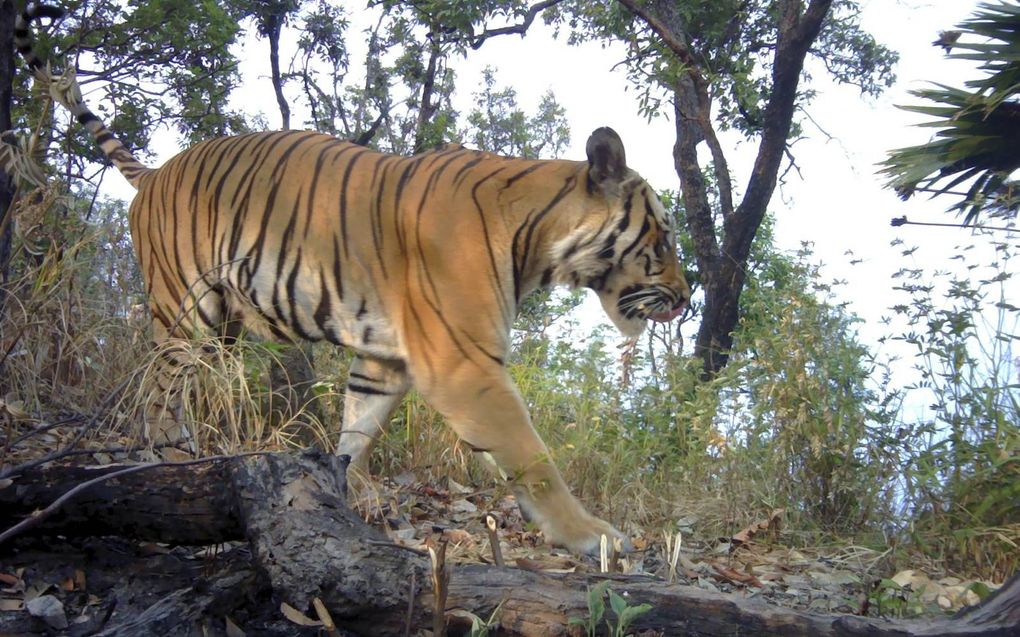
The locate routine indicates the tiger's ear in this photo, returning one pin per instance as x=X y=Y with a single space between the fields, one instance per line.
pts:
x=607 y=162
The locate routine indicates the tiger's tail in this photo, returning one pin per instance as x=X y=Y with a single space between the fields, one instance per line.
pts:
x=65 y=90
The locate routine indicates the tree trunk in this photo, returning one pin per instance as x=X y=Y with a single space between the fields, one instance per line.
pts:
x=174 y=504
x=273 y=26
x=722 y=257
x=308 y=545
x=7 y=183
x=427 y=109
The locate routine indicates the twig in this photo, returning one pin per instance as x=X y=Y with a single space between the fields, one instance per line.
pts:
x=614 y=558
x=490 y=527
x=440 y=588
x=604 y=554
x=111 y=450
x=903 y=221
x=42 y=429
x=478 y=40
x=396 y=546
x=39 y=516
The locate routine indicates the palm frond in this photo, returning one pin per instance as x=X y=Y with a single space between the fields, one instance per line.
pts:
x=978 y=127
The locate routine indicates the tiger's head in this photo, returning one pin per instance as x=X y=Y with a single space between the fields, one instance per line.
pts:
x=626 y=249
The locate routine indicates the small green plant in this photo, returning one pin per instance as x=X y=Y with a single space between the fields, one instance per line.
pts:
x=625 y=614
x=893 y=600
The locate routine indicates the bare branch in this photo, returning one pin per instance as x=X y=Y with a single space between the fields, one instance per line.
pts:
x=478 y=40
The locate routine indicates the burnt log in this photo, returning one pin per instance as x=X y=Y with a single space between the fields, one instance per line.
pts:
x=306 y=544
x=173 y=503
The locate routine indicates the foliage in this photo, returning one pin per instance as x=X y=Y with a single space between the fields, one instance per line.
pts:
x=497 y=124
x=625 y=613
x=962 y=470
x=151 y=63
x=892 y=600
x=816 y=418
x=730 y=65
x=976 y=139
x=66 y=331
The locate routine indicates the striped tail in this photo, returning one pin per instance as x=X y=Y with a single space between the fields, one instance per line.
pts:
x=66 y=91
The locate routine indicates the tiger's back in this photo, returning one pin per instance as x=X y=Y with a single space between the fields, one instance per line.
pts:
x=299 y=235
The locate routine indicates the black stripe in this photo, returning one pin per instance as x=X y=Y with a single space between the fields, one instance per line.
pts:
x=528 y=229
x=361 y=389
x=344 y=186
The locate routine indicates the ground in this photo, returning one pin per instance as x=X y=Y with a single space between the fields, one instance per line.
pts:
x=102 y=582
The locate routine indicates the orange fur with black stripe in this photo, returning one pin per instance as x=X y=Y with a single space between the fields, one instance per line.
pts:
x=416 y=263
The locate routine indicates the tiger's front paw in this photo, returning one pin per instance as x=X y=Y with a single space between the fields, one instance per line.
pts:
x=566 y=523
x=584 y=535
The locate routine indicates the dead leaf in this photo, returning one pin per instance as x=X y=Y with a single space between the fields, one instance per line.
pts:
x=772 y=524
x=735 y=576
x=548 y=564
x=463 y=507
x=7 y=605
x=232 y=629
x=295 y=616
x=14 y=408
x=459 y=536
x=37 y=590
x=458 y=488
x=9 y=580
x=327 y=620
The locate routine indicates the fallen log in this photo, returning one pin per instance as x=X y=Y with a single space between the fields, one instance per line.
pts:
x=309 y=545
x=176 y=504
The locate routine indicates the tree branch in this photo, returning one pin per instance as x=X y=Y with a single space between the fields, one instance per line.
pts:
x=795 y=34
x=478 y=40
x=704 y=102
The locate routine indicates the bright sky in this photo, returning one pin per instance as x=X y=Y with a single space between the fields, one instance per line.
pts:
x=837 y=203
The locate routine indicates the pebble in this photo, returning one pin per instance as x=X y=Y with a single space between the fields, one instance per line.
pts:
x=49 y=609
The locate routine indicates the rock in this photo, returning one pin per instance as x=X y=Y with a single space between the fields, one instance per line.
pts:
x=49 y=609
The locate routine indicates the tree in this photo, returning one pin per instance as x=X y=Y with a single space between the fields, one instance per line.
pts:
x=270 y=18
x=154 y=63
x=978 y=128
x=6 y=181
x=731 y=64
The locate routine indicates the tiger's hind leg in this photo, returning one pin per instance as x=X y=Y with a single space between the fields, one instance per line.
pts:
x=374 y=389
x=170 y=379
x=162 y=390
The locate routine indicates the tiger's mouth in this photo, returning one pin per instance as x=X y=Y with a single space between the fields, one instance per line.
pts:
x=672 y=313
x=656 y=303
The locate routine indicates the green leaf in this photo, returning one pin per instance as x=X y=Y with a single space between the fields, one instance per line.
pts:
x=618 y=603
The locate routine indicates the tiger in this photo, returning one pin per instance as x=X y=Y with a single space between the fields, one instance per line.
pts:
x=417 y=264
